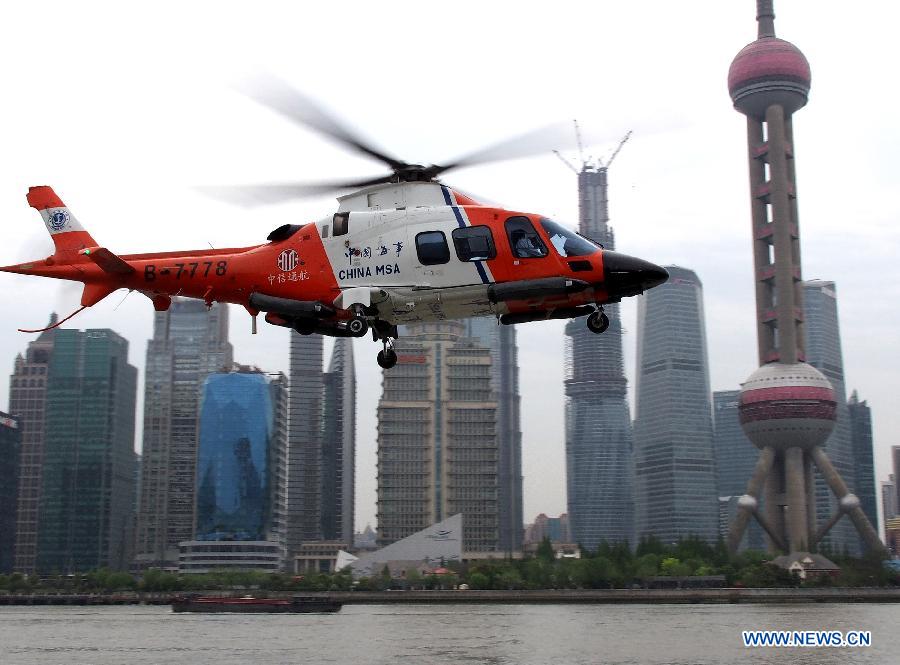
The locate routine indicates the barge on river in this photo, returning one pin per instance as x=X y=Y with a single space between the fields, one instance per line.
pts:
x=249 y=604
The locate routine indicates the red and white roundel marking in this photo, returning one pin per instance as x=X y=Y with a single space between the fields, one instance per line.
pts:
x=288 y=260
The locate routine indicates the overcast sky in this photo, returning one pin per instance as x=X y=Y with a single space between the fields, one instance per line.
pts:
x=123 y=107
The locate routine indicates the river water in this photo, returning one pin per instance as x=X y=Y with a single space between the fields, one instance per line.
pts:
x=470 y=634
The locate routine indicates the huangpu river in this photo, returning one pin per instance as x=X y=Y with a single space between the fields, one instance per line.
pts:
x=470 y=634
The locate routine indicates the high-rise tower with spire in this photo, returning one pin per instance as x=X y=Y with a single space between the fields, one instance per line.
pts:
x=787 y=406
x=598 y=422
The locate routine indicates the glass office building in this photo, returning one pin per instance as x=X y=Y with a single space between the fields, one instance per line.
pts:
x=10 y=448
x=863 y=455
x=87 y=496
x=823 y=351
x=675 y=474
x=236 y=462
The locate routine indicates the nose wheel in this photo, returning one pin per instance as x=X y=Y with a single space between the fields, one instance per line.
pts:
x=387 y=358
x=598 y=322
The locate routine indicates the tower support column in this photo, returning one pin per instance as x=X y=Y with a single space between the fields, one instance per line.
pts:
x=785 y=270
x=795 y=484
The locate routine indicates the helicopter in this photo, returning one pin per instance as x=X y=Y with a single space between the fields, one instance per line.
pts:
x=401 y=248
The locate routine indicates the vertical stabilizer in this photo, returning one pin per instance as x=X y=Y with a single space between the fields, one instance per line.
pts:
x=68 y=235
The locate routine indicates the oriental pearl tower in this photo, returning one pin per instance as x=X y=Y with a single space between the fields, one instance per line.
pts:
x=787 y=407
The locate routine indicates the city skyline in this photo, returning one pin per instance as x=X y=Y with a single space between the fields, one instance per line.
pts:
x=648 y=207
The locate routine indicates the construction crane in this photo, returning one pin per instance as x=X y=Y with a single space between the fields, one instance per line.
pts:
x=586 y=163
x=616 y=151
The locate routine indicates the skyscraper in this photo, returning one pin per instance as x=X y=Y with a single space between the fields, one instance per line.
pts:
x=823 y=351
x=339 y=445
x=599 y=435
x=863 y=455
x=27 y=399
x=190 y=341
x=675 y=473
x=438 y=449
x=787 y=406
x=10 y=450
x=735 y=458
x=889 y=498
x=501 y=340
x=306 y=394
x=895 y=460
x=87 y=494
x=241 y=479
x=240 y=452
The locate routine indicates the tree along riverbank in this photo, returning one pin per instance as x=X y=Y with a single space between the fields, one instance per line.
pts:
x=522 y=596
x=652 y=565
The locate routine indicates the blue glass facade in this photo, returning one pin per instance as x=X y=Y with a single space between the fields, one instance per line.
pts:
x=234 y=469
x=675 y=472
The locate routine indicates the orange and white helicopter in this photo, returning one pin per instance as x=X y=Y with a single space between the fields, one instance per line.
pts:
x=401 y=248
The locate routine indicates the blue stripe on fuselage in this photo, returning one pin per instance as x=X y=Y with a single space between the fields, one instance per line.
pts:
x=462 y=225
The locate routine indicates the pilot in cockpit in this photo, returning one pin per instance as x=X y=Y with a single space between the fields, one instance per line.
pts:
x=524 y=247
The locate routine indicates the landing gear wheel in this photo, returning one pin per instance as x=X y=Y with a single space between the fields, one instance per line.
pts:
x=387 y=358
x=357 y=326
x=598 y=322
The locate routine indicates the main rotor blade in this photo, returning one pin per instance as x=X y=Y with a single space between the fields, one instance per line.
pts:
x=250 y=196
x=556 y=136
x=279 y=96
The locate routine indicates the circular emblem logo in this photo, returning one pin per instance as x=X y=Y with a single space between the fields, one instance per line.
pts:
x=288 y=260
x=58 y=220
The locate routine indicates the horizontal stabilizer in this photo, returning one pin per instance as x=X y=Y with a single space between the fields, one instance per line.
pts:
x=94 y=293
x=107 y=261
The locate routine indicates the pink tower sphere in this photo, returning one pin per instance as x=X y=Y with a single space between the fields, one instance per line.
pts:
x=766 y=72
x=784 y=406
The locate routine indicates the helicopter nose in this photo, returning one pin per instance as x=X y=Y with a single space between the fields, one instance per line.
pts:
x=630 y=276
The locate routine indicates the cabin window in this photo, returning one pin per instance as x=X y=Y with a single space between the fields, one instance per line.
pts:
x=324 y=230
x=523 y=239
x=432 y=249
x=474 y=243
x=341 y=223
x=567 y=242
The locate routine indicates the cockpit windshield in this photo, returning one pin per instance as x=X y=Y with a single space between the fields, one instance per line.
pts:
x=567 y=242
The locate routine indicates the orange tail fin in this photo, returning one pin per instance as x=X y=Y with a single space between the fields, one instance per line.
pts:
x=68 y=235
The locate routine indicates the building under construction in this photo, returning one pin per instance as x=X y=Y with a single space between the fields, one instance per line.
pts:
x=598 y=421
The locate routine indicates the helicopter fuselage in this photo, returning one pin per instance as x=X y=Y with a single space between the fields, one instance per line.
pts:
x=392 y=254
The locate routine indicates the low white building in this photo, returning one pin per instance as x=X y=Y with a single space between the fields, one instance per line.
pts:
x=206 y=556
x=437 y=545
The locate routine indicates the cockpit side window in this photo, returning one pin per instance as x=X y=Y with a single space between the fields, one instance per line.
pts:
x=523 y=239
x=341 y=223
x=567 y=242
